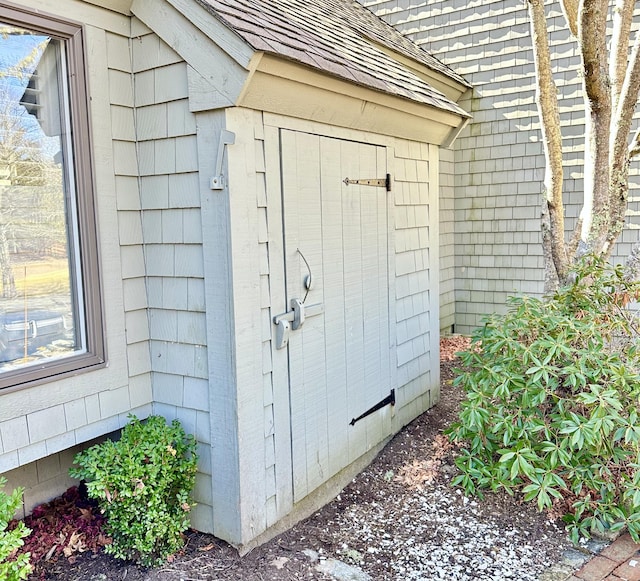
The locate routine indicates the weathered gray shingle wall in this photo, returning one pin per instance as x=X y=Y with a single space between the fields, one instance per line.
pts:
x=172 y=236
x=42 y=427
x=447 y=230
x=499 y=161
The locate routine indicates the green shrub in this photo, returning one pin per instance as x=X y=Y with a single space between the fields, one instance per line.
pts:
x=142 y=482
x=552 y=396
x=13 y=567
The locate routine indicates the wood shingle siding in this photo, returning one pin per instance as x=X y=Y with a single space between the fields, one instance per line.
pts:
x=172 y=236
x=224 y=133
x=42 y=427
x=499 y=161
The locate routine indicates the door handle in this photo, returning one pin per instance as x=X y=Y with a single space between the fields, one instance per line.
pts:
x=293 y=320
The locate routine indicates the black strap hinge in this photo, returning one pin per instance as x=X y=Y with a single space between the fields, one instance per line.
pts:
x=389 y=400
x=378 y=183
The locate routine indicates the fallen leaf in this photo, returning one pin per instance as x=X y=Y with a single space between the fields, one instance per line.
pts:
x=279 y=562
x=420 y=472
x=103 y=540
x=449 y=346
x=207 y=547
x=75 y=544
x=50 y=552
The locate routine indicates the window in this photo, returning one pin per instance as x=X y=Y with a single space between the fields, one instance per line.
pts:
x=50 y=309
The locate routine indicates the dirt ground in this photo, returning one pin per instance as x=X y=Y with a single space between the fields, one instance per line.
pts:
x=399 y=519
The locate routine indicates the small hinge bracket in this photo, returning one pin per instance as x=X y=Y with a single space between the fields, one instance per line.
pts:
x=226 y=138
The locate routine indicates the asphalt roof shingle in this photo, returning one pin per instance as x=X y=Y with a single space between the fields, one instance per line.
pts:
x=339 y=37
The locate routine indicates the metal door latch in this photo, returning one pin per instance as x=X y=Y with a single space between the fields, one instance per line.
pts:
x=293 y=320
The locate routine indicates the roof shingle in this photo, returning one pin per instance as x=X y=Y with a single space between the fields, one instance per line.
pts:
x=339 y=37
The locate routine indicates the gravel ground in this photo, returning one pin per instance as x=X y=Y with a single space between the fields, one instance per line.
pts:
x=439 y=535
x=398 y=520
x=401 y=520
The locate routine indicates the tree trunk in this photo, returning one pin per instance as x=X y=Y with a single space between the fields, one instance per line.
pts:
x=611 y=83
x=596 y=216
x=554 y=249
x=551 y=280
x=8 y=280
x=625 y=96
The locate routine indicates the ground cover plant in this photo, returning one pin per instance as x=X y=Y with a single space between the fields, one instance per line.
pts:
x=62 y=530
x=13 y=565
x=142 y=483
x=552 y=393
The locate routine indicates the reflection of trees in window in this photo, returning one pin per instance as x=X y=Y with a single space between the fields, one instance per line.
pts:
x=32 y=205
x=22 y=171
x=51 y=316
x=19 y=163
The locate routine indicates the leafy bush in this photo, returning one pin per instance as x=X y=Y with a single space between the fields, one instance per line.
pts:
x=142 y=482
x=553 y=388
x=13 y=567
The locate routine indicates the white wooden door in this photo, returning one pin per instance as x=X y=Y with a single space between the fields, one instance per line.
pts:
x=339 y=359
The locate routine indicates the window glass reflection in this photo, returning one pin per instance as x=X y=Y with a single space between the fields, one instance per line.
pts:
x=40 y=298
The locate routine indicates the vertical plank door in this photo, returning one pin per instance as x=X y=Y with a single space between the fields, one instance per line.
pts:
x=339 y=360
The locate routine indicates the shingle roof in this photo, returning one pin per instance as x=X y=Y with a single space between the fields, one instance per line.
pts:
x=339 y=37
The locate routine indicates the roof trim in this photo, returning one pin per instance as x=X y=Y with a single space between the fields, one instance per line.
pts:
x=446 y=84
x=218 y=31
x=217 y=71
x=121 y=6
x=284 y=87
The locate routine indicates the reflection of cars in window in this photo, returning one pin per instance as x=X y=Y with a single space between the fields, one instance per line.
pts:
x=38 y=329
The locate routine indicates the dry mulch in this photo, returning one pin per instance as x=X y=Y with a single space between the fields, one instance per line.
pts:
x=399 y=519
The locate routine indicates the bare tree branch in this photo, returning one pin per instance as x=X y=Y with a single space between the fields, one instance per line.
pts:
x=592 y=37
x=629 y=90
x=547 y=99
x=611 y=83
x=620 y=150
x=572 y=247
x=24 y=67
x=570 y=9
x=622 y=19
